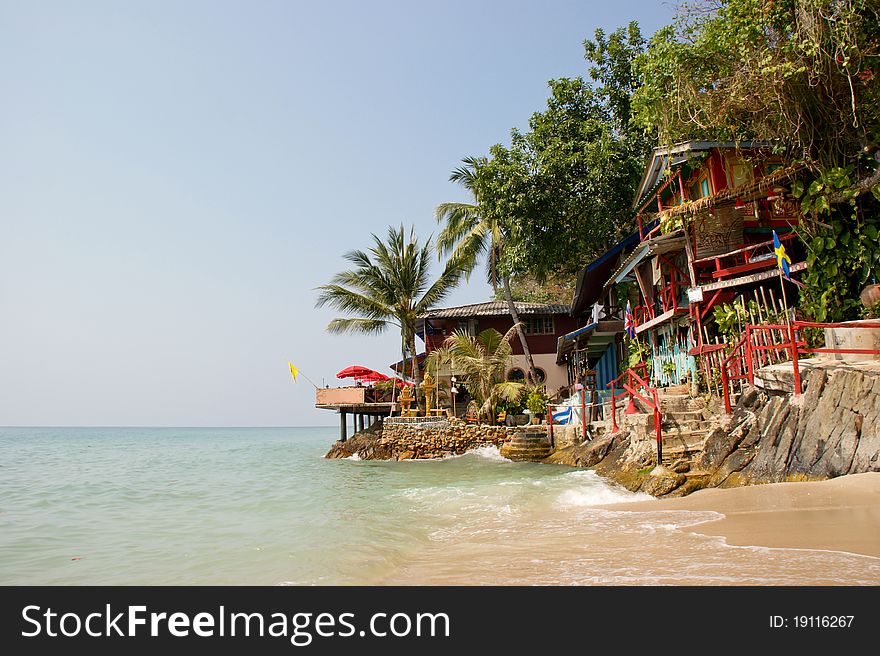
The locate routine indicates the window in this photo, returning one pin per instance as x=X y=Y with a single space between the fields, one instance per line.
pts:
x=516 y=375
x=701 y=188
x=538 y=325
x=468 y=326
x=541 y=374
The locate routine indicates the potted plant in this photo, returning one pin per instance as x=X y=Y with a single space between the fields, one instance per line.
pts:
x=536 y=404
x=870 y=295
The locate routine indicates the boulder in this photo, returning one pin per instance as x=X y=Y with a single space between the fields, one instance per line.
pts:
x=719 y=445
x=658 y=486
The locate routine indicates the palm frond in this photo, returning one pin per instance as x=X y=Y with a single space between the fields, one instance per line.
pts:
x=357 y=325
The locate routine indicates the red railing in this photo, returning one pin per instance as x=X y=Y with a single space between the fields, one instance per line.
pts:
x=631 y=388
x=758 y=347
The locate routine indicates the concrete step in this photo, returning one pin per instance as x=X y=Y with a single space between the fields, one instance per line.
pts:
x=687 y=426
x=674 y=390
x=683 y=415
x=685 y=440
x=680 y=403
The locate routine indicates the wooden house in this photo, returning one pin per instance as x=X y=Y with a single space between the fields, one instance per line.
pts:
x=543 y=325
x=706 y=213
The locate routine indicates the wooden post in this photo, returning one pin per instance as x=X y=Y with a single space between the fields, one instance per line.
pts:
x=550 y=423
x=584 y=410
x=614 y=427
x=343 y=426
x=795 y=364
x=658 y=428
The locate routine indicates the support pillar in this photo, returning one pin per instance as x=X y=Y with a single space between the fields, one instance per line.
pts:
x=343 y=426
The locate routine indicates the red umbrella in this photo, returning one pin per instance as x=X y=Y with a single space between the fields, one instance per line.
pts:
x=404 y=383
x=355 y=371
x=372 y=377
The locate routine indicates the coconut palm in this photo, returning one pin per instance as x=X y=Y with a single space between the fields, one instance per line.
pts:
x=481 y=362
x=390 y=285
x=469 y=233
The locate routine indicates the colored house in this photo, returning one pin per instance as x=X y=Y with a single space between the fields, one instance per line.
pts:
x=543 y=324
x=706 y=213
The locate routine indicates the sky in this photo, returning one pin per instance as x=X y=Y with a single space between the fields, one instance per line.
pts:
x=177 y=177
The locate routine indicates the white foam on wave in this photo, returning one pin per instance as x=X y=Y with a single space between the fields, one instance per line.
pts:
x=353 y=456
x=489 y=452
x=592 y=490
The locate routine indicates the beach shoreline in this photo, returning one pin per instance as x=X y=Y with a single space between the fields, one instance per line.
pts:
x=838 y=515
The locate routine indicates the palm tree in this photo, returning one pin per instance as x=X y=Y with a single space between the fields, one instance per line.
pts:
x=389 y=286
x=481 y=361
x=469 y=233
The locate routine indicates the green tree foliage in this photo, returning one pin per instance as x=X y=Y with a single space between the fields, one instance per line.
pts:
x=390 y=285
x=843 y=249
x=800 y=73
x=470 y=231
x=562 y=190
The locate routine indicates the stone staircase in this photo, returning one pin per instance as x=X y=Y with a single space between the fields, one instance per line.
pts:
x=530 y=444
x=685 y=426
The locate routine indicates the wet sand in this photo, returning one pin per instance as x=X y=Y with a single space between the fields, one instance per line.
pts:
x=841 y=514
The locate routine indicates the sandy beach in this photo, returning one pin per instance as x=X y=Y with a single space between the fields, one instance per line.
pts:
x=841 y=514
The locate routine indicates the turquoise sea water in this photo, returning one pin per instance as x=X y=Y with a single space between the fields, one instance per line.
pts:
x=132 y=506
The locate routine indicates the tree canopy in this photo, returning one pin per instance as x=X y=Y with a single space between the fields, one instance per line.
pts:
x=390 y=285
x=562 y=190
x=802 y=74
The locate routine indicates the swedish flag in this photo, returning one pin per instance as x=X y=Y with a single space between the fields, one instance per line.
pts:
x=782 y=258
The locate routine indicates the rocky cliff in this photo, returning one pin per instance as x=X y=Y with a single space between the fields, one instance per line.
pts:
x=831 y=430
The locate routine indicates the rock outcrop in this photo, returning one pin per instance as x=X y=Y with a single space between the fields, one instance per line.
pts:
x=429 y=440
x=831 y=430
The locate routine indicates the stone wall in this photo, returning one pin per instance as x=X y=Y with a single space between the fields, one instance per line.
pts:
x=435 y=440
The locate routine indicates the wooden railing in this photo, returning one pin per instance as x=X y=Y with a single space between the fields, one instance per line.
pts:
x=631 y=387
x=765 y=344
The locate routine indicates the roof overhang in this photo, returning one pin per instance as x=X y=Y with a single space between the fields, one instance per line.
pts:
x=657 y=246
x=591 y=279
x=667 y=157
x=593 y=339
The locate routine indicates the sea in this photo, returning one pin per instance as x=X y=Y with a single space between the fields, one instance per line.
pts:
x=262 y=506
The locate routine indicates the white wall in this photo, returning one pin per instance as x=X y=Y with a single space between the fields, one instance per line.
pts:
x=557 y=376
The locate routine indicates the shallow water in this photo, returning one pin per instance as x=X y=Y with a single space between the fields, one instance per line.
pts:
x=262 y=506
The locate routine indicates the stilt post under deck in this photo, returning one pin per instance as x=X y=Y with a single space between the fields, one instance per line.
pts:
x=343 y=426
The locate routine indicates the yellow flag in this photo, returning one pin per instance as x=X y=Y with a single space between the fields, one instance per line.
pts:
x=293 y=371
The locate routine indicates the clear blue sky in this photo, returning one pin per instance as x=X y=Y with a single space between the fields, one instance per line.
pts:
x=177 y=177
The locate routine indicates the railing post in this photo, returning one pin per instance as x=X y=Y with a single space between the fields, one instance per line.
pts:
x=550 y=423
x=795 y=365
x=584 y=411
x=725 y=387
x=749 y=364
x=614 y=427
x=658 y=428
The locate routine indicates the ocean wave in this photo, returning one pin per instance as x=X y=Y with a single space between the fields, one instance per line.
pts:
x=489 y=452
x=595 y=491
x=353 y=456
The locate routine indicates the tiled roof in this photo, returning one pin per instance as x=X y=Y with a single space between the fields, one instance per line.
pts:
x=494 y=309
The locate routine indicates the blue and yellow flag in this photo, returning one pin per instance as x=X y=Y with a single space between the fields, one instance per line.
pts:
x=293 y=371
x=782 y=258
